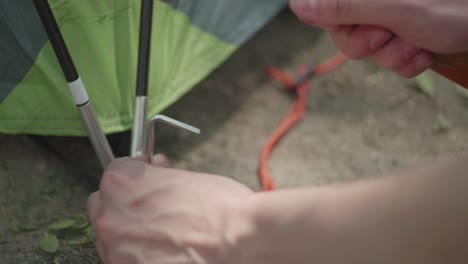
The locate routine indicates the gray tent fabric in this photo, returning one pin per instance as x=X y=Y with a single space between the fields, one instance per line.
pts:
x=224 y=18
x=22 y=38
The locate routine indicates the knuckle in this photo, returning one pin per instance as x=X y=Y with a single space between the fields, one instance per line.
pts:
x=123 y=175
x=112 y=179
x=107 y=181
x=107 y=176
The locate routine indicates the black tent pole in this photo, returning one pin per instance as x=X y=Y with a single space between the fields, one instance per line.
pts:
x=96 y=135
x=140 y=122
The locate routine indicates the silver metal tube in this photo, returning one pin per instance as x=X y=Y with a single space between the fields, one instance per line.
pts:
x=97 y=137
x=77 y=89
x=140 y=127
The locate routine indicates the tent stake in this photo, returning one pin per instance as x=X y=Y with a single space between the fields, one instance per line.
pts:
x=143 y=130
x=168 y=121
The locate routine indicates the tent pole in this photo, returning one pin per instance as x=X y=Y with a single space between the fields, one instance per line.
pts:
x=96 y=135
x=140 y=122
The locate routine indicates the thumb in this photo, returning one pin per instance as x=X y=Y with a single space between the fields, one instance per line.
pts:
x=326 y=13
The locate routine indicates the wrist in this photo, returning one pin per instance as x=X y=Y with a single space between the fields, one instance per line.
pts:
x=279 y=224
x=292 y=226
x=241 y=234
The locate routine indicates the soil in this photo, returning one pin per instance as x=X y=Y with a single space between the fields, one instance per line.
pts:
x=361 y=122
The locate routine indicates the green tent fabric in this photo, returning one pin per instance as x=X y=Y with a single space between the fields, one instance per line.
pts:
x=190 y=39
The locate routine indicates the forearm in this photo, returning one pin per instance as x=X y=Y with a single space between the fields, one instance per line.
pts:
x=418 y=216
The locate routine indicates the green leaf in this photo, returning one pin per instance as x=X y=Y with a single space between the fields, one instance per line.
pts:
x=80 y=224
x=90 y=232
x=62 y=225
x=81 y=240
x=49 y=243
x=16 y=226
x=425 y=84
x=442 y=123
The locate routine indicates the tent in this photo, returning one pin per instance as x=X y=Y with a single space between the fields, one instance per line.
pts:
x=190 y=39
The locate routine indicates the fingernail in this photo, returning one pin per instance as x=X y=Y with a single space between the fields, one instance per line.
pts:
x=378 y=39
x=161 y=159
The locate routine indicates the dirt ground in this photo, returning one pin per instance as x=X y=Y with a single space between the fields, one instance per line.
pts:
x=361 y=122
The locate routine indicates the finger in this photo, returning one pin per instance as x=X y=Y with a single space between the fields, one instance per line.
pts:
x=160 y=160
x=121 y=177
x=141 y=158
x=94 y=206
x=395 y=54
x=327 y=27
x=358 y=42
x=418 y=64
x=123 y=162
x=345 y=12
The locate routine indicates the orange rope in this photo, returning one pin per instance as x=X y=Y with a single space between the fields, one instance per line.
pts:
x=295 y=113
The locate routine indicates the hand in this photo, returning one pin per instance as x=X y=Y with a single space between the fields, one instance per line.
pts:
x=146 y=213
x=398 y=35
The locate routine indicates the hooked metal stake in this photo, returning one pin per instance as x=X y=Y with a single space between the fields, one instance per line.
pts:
x=168 y=121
